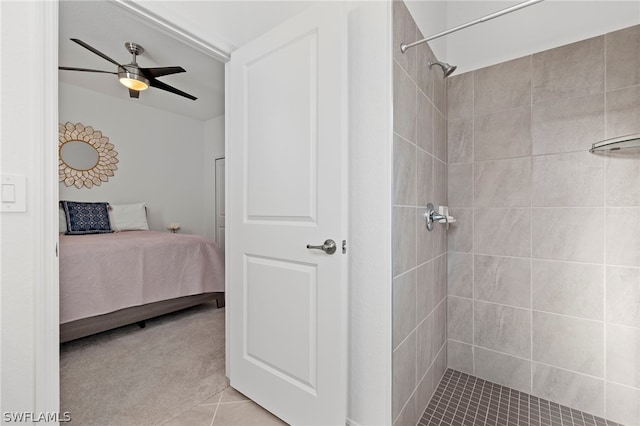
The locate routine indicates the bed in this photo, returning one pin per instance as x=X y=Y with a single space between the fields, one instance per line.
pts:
x=108 y=280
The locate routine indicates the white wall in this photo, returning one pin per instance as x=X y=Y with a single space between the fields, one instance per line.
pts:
x=28 y=340
x=369 y=242
x=213 y=148
x=159 y=153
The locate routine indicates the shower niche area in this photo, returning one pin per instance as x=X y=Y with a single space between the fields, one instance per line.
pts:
x=530 y=301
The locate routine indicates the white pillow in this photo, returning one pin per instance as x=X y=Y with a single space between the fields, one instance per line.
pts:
x=128 y=217
x=62 y=221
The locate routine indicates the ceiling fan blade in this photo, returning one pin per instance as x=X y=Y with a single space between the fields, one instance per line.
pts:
x=94 y=50
x=163 y=86
x=160 y=71
x=134 y=93
x=85 y=69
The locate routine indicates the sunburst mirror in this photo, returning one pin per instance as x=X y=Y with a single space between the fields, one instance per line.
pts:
x=85 y=156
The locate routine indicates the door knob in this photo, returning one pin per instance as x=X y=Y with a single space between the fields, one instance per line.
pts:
x=328 y=247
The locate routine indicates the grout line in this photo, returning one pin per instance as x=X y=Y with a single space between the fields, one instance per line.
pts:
x=216 y=410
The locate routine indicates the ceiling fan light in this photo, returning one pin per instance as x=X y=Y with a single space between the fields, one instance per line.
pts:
x=133 y=81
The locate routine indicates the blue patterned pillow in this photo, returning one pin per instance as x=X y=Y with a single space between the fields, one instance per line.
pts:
x=86 y=218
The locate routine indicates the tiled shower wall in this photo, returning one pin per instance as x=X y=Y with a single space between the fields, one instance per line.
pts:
x=544 y=260
x=419 y=257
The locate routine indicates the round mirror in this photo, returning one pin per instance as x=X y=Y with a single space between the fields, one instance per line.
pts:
x=79 y=155
x=87 y=158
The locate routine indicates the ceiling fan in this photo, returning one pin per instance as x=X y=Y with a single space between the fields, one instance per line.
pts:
x=132 y=76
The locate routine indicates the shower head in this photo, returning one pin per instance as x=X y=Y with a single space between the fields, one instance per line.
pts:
x=446 y=68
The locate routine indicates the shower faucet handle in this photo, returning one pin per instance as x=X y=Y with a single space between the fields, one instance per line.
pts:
x=432 y=216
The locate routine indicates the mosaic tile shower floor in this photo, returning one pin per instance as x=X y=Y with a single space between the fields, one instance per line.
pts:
x=464 y=400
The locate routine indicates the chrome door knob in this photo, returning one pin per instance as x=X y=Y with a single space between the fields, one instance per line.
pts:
x=328 y=247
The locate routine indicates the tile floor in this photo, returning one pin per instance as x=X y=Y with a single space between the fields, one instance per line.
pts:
x=227 y=408
x=464 y=400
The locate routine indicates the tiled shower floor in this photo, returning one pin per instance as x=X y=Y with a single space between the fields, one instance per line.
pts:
x=464 y=400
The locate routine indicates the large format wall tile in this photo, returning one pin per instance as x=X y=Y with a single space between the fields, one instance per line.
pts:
x=623 y=61
x=460 y=182
x=623 y=404
x=572 y=389
x=460 y=96
x=404 y=373
x=404 y=172
x=622 y=176
x=502 y=328
x=623 y=353
x=553 y=188
x=502 y=183
x=574 y=234
x=426 y=350
x=575 y=289
x=504 y=280
x=623 y=241
x=424 y=121
x=425 y=291
x=460 y=356
x=460 y=141
x=439 y=136
x=425 y=75
x=404 y=104
x=403 y=239
x=505 y=134
x=503 y=86
x=576 y=69
x=404 y=29
x=623 y=296
x=440 y=184
x=567 y=125
x=502 y=232
x=439 y=338
x=425 y=187
x=623 y=112
x=404 y=306
x=568 y=343
x=503 y=369
x=460 y=234
x=460 y=315
x=460 y=274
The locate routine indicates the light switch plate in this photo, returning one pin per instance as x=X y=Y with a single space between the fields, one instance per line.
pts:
x=14 y=194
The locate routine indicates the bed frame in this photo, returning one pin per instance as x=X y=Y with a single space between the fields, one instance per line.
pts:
x=136 y=314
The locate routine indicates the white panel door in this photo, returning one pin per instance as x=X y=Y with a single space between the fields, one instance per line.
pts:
x=286 y=150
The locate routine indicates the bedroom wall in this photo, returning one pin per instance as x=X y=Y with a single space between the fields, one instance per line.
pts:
x=160 y=154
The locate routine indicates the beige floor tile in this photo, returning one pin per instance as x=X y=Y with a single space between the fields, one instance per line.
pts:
x=213 y=400
x=201 y=415
x=232 y=395
x=245 y=413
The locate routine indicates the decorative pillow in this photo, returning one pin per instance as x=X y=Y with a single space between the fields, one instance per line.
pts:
x=128 y=217
x=86 y=218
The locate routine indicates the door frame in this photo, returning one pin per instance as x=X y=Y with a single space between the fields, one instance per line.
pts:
x=369 y=164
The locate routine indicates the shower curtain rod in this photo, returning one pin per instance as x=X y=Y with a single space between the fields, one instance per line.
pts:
x=404 y=47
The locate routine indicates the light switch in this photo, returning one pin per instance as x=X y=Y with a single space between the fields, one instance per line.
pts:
x=13 y=193
x=8 y=193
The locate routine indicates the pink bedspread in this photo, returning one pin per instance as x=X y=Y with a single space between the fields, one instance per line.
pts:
x=102 y=273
